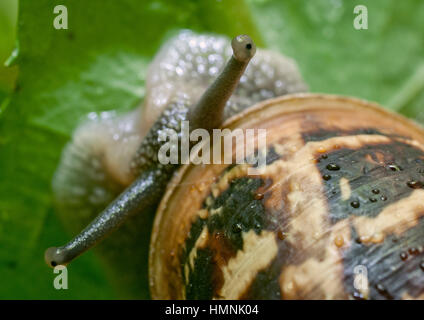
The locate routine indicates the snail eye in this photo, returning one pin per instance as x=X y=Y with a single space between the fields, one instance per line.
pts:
x=243 y=47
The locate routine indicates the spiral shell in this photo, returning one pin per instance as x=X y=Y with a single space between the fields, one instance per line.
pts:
x=336 y=212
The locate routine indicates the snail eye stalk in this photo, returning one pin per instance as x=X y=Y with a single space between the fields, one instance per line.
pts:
x=208 y=112
x=147 y=189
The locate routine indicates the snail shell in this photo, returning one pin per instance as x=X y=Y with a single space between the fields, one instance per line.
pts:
x=342 y=189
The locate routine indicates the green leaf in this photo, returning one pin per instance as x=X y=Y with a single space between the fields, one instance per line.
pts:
x=374 y=64
x=8 y=13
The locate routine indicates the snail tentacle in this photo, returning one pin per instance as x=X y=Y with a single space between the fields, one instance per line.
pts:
x=213 y=101
x=153 y=177
x=140 y=195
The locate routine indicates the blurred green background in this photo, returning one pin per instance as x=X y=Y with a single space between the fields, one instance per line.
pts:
x=56 y=77
x=8 y=17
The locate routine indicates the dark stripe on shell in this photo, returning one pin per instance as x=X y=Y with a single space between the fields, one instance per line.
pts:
x=393 y=266
x=378 y=175
x=271 y=156
x=239 y=212
x=322 y=134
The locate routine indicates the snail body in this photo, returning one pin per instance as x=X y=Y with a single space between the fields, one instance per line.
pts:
x=327 y=200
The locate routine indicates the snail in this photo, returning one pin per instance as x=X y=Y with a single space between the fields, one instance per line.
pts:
x=335 y=212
